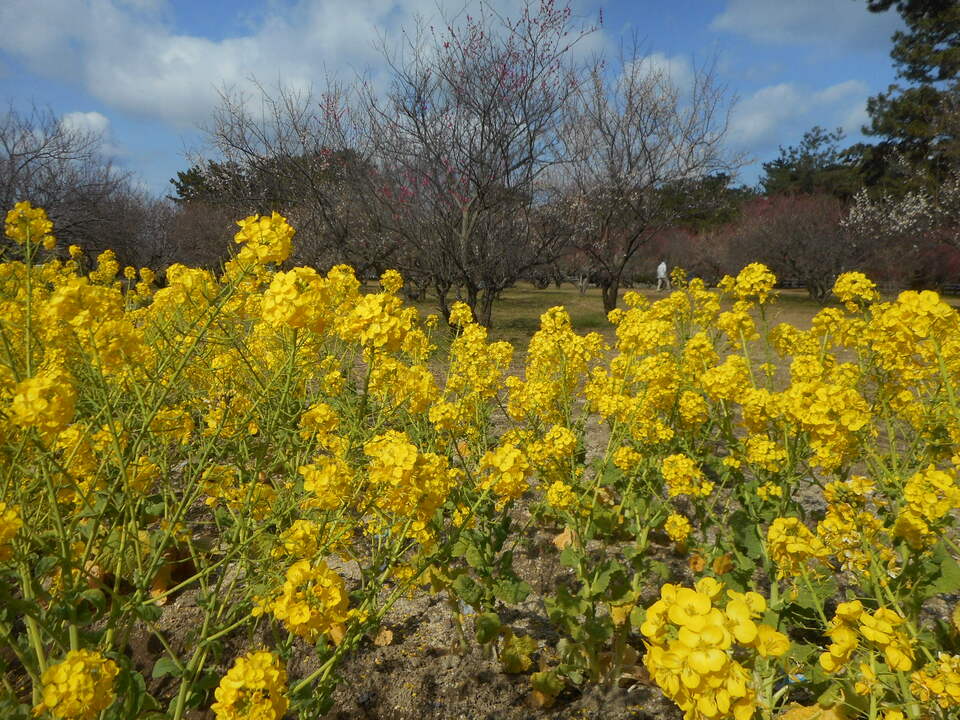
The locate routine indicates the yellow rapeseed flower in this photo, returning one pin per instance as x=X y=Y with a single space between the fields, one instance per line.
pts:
x=253 y=689
x=78 y=687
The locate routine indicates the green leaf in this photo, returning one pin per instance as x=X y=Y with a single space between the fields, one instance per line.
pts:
x=487 y=626
x=459 y=548
x=95 y=597
x=148 y=612
x=948 y=580
x=570 y=557
x=605 y=521
x=512 y=592
x=746 y=535
x=515 y=655
x=548 y=682
x=597 y=631
x=474 y=557
x=467 y=590
x=45 y=565
x=165 y=666
x=601 y=582
x=610 y=583
x=137 y=701
x=821 y=591
x=565 y=609
x=660 y=569
x=155 y=509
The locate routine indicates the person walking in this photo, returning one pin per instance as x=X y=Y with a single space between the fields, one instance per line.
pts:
x=662 y=277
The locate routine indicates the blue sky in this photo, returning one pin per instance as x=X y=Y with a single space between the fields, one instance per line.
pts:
x=145 y=73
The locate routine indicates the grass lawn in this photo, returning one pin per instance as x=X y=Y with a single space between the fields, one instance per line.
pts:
x=516 y=314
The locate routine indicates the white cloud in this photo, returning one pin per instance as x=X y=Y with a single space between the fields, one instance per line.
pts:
x=92 y=122
x=96 y=124
x=840 y=92
x=127 y=56
x=756 y=119
x=677 y=68
x=780 y=114
x=828 y=23
x=855 y=118
x=148 y=6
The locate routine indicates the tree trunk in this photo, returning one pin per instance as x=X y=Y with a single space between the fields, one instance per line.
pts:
x=484 y=311
x=442 y=289
x=818 y=290
x=610 y=290
x=473 y=293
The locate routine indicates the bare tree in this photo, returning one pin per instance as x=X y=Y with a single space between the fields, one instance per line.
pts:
x=63 y=169
x=291 y=151
x=637 y=141
x=470 y=125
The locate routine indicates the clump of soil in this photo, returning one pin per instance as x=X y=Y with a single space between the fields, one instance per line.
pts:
x=423 y=675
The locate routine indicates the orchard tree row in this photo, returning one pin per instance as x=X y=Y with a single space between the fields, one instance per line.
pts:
x=502 y=149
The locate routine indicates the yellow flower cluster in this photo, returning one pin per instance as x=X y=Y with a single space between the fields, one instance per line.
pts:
x=738 y=326
x=692 y=640
x=792 y=547
x=253 y=689
x=728 y=381
x=627 y=460
x=106 y=270
x=769 y=491
x=683 y=477
x=881 y=629
x=264 y=239
x=939 y=682
x=173 y=425
x=852 y=533
x=765 y=454
x=754 y=283
x=407 y=484
x=474 y=377
x=833 y=415
x=312 y=602
x=379 y=321
x=26 y=223
x=930 y=495
x=300 y=540
x=330 y=480
x=692 y=409
x=78 y=687
x=506 y=474
x=558 y=360
x=222 y=485
x=45 y=402
x=296 y=299
x=678 y=528
x=460 y=314
x=10 y=523
x=855 y=290
x=391 y=281
x=398 y=385
x=553 y=455
x=561 y=496
x=319 y=421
